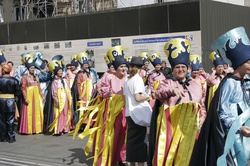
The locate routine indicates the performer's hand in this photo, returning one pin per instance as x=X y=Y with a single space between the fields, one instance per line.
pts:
x=44 y=100
x=245 y=131
x=26 y=102
x=179 y=92
x=153 y=95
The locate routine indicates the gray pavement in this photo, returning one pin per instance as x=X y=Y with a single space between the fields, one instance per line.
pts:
x=44 y=150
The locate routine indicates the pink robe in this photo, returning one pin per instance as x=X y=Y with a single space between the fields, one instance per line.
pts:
x=70 y=76
x=112 y=83
x=32 y=114
x=63 y=117
x=165 y=93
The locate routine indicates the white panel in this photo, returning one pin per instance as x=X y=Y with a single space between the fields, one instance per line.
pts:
x=133 y=45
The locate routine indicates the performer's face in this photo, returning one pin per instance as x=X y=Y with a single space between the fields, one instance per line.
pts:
x=73 y=68
x=158 y=67
x=146 y=65
x=180 y=71
x=60 y=73
x=121 y=69
x=32 y=70
x=195 y=73
x=85 y=66
x=219 y=69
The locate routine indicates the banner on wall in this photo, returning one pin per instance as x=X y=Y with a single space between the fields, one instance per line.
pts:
x=97 y=48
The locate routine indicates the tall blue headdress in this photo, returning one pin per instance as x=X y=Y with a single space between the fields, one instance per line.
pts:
x=38 y=58
x=155 y=59
x=216 y=59
x=178 y=51
x=144 y=56
x=116 y=56
x=233 y=47
x=195 y=61
x=74 y=61
x=82 y=58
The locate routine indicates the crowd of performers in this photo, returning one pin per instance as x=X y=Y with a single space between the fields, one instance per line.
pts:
x=198 y=118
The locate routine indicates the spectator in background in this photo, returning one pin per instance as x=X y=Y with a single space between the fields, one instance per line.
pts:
x=11 y=64
x=167 y=71
x=136 y=148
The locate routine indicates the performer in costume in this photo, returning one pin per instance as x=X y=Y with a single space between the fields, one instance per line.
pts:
x=42 y=71
x=156 y=74
x=215 y=77
x=60 y=91
x=2 y=61
x=224 y=137
x=176 y=122
x=196 y=63
x=114 y=113
x=108 y=132
x=93 y=72
x=60 y=59
x=82 y=88
x=145 y=70
x=21 y=69
x=9 y=93
x=31 y=120
x=111 y=70
x=70 y=74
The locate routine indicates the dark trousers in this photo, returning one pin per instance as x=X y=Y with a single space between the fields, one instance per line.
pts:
x=7 y=125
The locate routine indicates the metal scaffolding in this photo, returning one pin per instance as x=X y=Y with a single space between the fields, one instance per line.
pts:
x=33 y=9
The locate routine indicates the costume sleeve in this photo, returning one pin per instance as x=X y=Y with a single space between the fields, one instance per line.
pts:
x=54 y=91
x=105 y=87
x=24 y=83
x=203 y=114
x=99 y=85
x=228 y=92
x=79 y=81
x=211 y=80
x=165 y=90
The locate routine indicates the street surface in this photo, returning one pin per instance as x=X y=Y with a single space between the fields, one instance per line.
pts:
x=44 y=150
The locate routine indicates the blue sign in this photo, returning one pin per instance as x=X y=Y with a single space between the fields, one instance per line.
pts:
x=91 y=44
x=155 y=40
